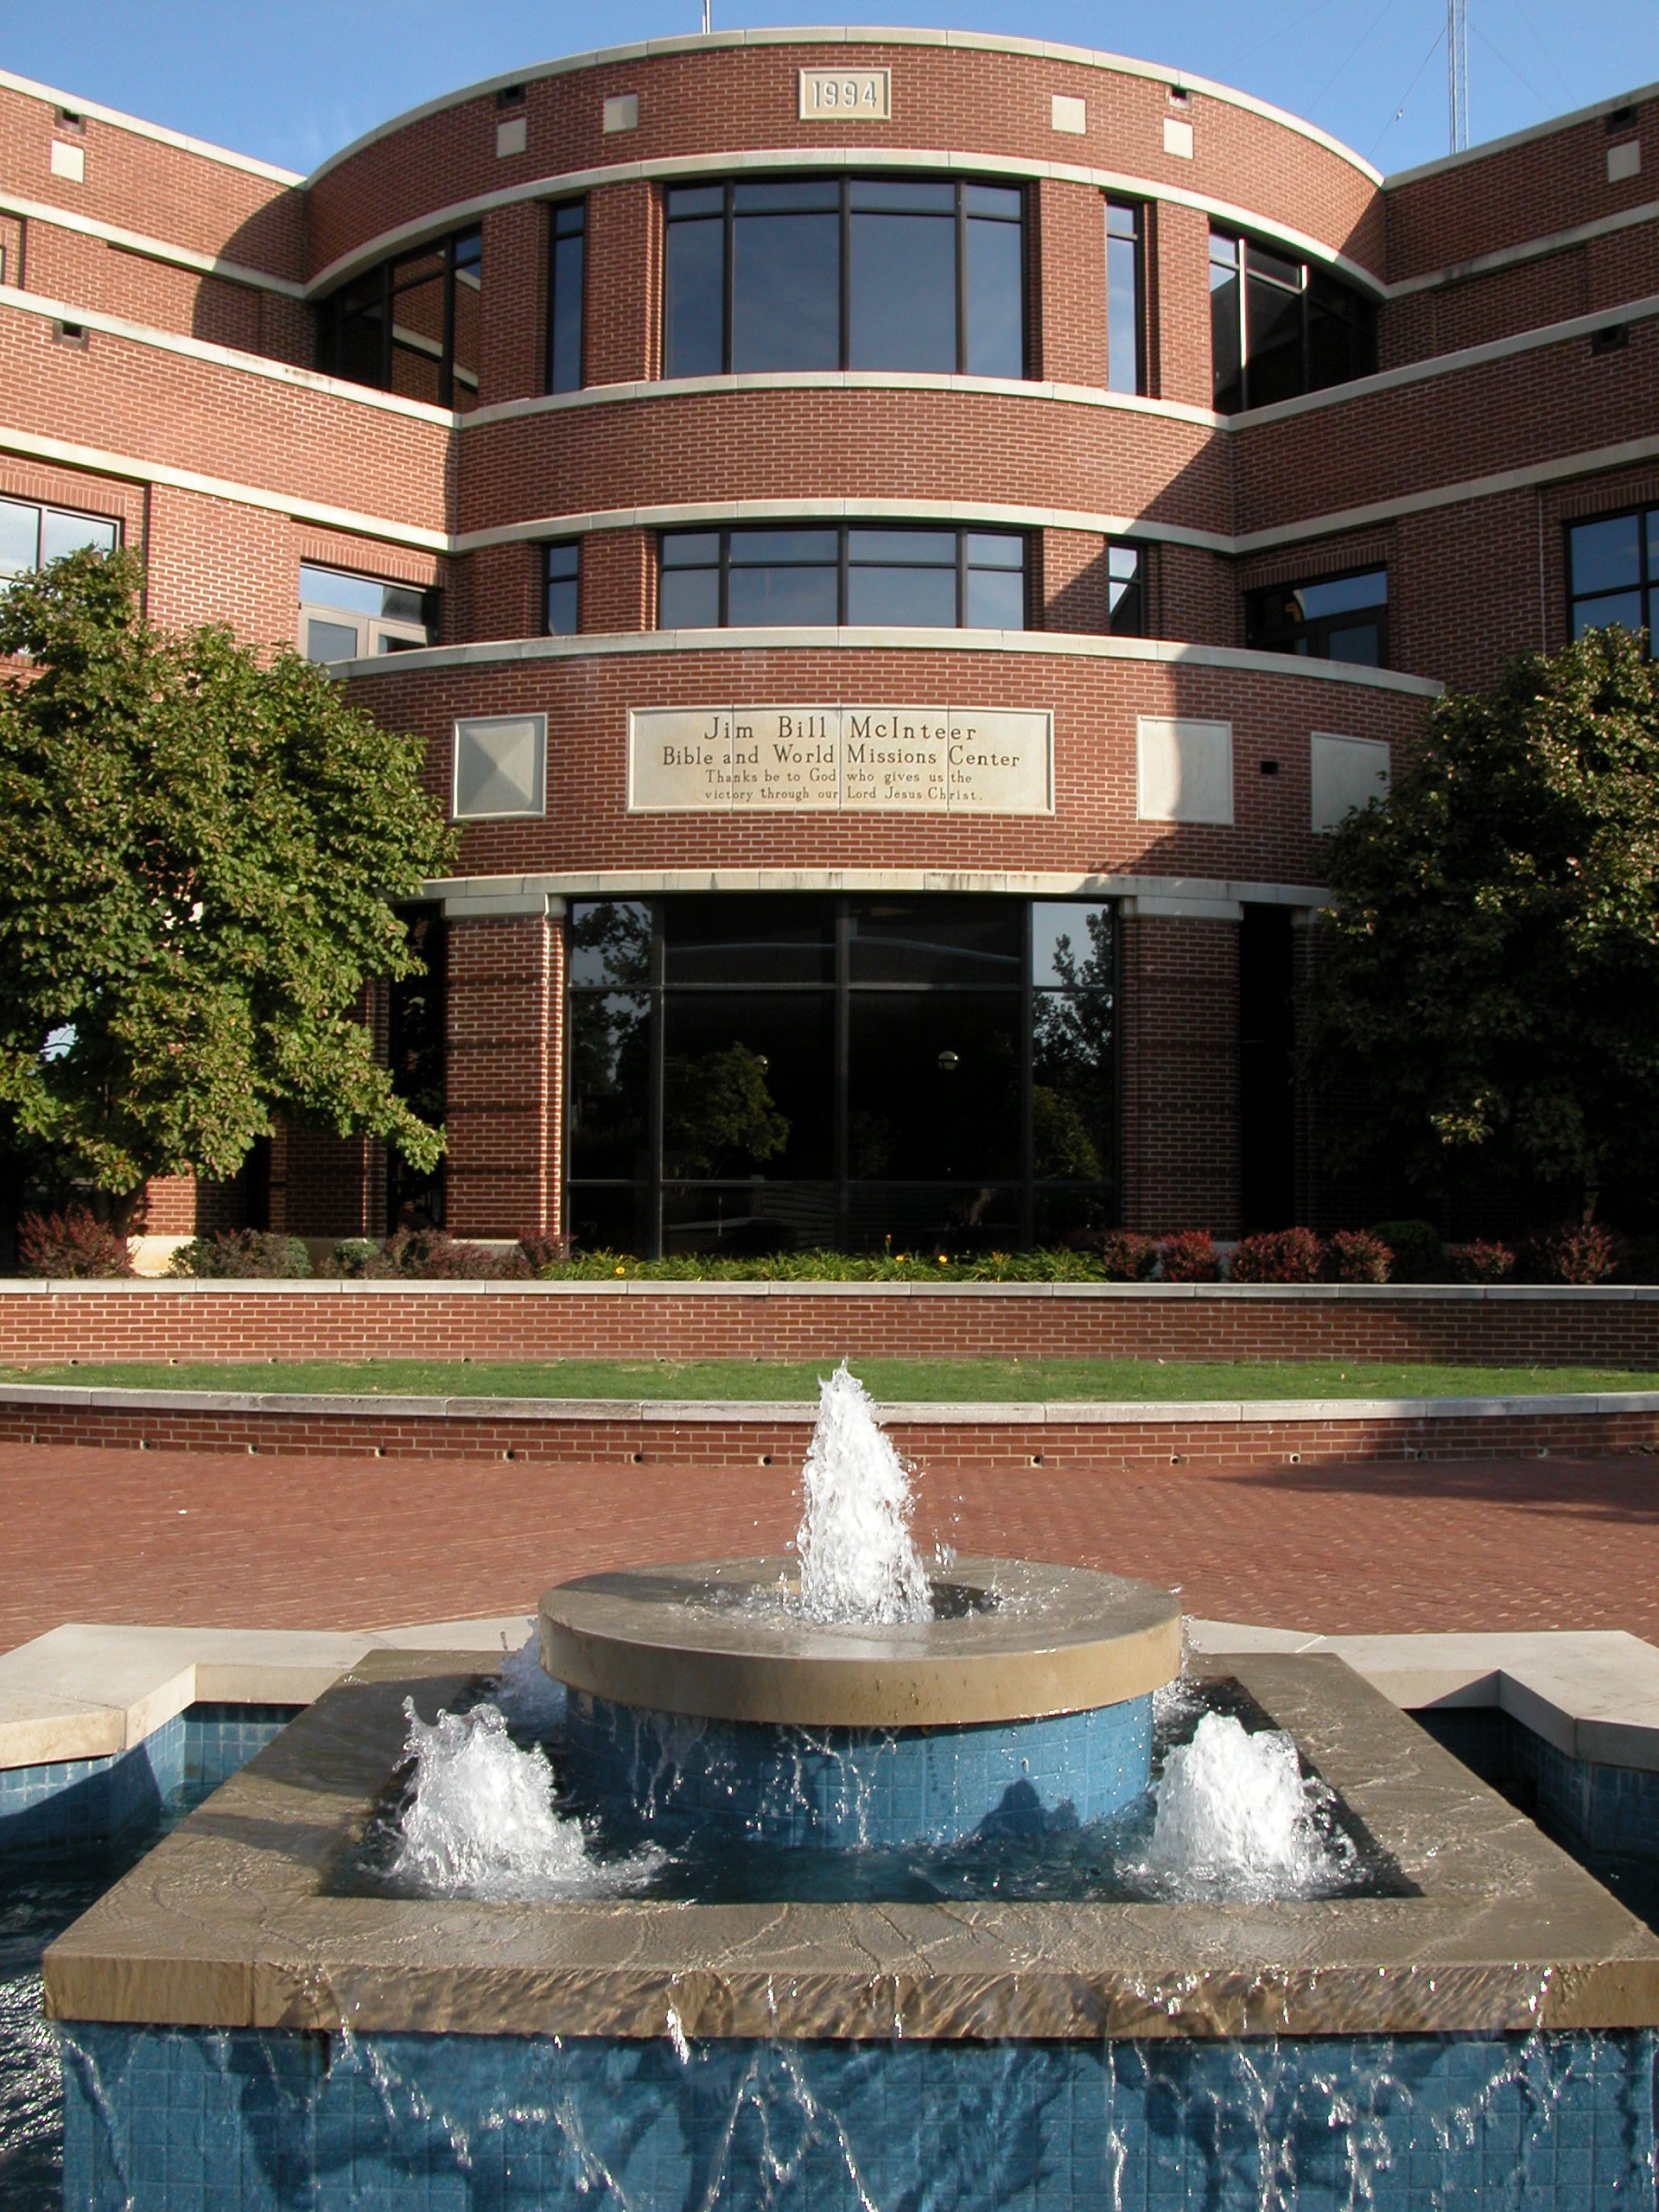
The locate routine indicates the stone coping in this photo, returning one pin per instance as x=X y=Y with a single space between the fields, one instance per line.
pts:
x=690 y=1639
x=86 y=1690
x=1299 y=1294
x=231 y=1921
x=1071 y=1413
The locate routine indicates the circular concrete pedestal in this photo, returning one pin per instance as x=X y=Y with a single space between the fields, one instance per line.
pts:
x=702 y=1699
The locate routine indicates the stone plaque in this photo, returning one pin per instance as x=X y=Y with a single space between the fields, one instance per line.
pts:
x=834 y=95
x=892 y=759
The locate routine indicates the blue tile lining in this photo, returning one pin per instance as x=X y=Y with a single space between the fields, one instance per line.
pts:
x=837 y=1787
x=73 y=1802
x=188 y=2120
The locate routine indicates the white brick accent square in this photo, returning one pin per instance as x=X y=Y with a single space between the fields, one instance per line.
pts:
x=1623 y=162
x=1067 y=112
x=1347 y=772
x=1177 y=137
x=622 y=111
x=69 y=161
x=1183 y=771
x=510 y=135
x=500 y=767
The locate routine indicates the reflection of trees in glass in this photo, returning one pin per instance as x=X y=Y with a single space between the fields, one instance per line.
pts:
x=610 y=945
x=718 y=1115
x=1071 y=1058
x=610 y=1081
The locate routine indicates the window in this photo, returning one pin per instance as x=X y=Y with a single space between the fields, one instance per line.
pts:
x=1126 y=599
x=821 y=578
x=1335 y=617
x=566 y=249
x=31 y=536
x=1613 y=572
x=1280 y=327
x=751 y=1072
x=1125 y=368
x=844 y=273
x=411 y=325
x=344 y=617
x=559 y=605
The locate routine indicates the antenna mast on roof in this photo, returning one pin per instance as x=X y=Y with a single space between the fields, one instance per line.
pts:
x=708 y=16
x=1456 y=74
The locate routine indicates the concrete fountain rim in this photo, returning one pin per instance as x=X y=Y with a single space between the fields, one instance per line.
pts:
x=692 y=1638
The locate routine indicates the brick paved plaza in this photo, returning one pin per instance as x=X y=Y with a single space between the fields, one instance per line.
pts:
x=165 y=1537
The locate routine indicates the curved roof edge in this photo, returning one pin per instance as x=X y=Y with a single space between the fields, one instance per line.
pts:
x=850 y=34
x=141 y=129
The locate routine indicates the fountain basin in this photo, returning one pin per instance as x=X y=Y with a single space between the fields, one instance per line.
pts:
x=701 y=1697
x=241 y=2028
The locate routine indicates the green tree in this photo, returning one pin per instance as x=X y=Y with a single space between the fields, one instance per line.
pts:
x=200 y=850
x=718 y=1109
x=1487 y=992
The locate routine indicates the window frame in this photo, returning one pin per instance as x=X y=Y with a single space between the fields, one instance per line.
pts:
x=846 y=179
x=550 y=548
x=842 y=987
x=1647 y=586
x=1138 y=584
x=556 y=209
x=1362 y=320
x=385 y=275
x=114 y=523
x=1320 y=626
x=844 y=563
x=1136 y=210
x=401 y=636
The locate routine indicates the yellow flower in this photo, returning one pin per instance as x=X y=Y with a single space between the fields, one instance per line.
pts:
x=621 y=1271
x=944 y=1261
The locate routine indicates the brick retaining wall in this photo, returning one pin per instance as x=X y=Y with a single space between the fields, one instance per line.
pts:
x=42 y=1322
x=991 y=1438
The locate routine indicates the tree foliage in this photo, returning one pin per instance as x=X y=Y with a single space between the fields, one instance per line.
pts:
x=1488 y=983
x=201 y=848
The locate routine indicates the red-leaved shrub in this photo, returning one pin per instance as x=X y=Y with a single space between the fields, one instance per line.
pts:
x=1482 y=1261
x=243 y=1254
x=1189 y=1255
x=1120 y=1254
x=544 y=1255
x=1356 y=1256
x=427 y=1256
x=74 y=1242
x=1577 y=1252
x=1278 y=1255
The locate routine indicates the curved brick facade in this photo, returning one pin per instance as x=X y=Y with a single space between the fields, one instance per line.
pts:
x=158 y=325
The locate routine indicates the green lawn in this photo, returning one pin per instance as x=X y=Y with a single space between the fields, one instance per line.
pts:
x=891 y=1380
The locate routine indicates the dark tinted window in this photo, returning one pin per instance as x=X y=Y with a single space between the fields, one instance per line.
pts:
x=1124 y=370
x=1613 y=572
x=931 y=1072
x=1280 y=327
x=560 y=607
x=1126 y=605
x=797 y=274
x=31 y=536
x=1331 y=618
x=412 y=326
x=823 y=577
x=567 y=247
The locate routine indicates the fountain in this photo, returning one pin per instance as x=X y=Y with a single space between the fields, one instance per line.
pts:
x=949 y=1948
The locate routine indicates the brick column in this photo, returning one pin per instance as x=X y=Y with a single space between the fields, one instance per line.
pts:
x=1070 y=304
x=1180 y=1047
x=502 y=1075
x=512 y=348
x=623 y=303
x=1178 y=275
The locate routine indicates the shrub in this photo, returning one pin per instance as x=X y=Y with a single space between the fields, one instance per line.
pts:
x=1358 y=1255
x=1481 y=1261
x=74 y=1242
x=1189 y=1255
x=1416 y=1248
x=352 y=1257
x=1279 y=1256
x=1118 y=1255
x=249 y=1255
x=544 y=1255
x=1577 y=1252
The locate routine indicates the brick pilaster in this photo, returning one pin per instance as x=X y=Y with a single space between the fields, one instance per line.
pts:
x=1179 y=1045
x=503 y=1077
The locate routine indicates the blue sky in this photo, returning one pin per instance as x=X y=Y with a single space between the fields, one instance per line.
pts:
x=293 y=82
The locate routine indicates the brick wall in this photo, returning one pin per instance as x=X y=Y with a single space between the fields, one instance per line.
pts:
x=40 y=1325
x=1470 y=582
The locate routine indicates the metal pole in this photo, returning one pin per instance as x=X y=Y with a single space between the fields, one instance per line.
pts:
x=1457 y=75
x=708 y=16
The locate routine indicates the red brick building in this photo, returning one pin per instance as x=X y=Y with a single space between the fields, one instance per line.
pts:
x=900 y=548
